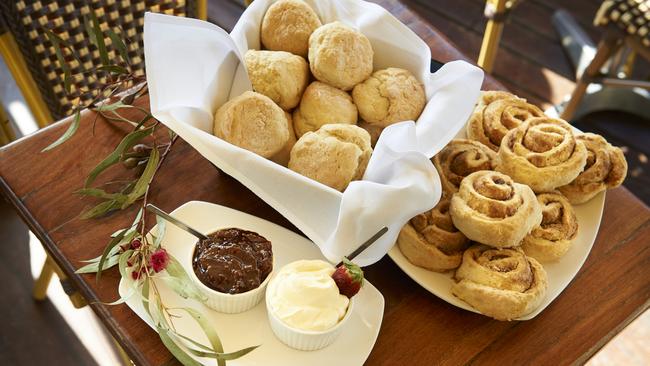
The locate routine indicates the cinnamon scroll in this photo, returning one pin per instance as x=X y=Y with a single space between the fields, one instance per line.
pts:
x=553 y=238
x=542 y=153
x=605 y=168
x=502 y=283
x=459 y=159
x=492 y=209
x=432 y=241
x=495 y=114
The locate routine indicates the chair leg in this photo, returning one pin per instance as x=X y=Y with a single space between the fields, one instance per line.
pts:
x=126 y=360
x=491 y=37
x=43 y=281
x=606 y=48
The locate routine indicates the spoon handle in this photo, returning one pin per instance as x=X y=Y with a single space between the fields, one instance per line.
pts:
x=365 y=245
x=175 y=221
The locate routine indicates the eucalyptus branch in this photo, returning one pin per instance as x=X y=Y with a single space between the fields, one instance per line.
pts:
x=146 y=193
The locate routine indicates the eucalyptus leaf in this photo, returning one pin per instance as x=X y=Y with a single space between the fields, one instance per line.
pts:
x=127 y=142
x=100 y=193
x=209 y=331
x=56 y=43
x=141 y=185
x=90 y=31
x=175 y=350
x=94 y=266
x=99 y=38
x=207 y=352
x=110 y=254
x=234 y=355
x=193 y=342
x=145 y=295
x=175 y=270
x=113 y=106
x=115 y=69
x=101 y=209
x=118 y=43
x=161 y=226
x=123 y=258
x=68 y=133
x=115 y=241
x=184 y=289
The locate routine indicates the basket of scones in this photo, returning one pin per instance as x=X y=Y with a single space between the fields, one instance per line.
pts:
x=327 y=110
x=520 y=209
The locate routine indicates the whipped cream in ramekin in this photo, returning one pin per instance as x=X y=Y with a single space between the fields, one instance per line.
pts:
x=304 y=296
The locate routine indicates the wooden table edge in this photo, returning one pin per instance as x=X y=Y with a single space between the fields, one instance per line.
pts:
x=48 y=244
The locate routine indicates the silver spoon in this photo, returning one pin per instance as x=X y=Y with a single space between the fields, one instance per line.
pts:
x=175 y=221
x=187 y=228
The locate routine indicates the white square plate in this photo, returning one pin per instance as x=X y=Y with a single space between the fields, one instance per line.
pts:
x=559 y=273
x=252 y=327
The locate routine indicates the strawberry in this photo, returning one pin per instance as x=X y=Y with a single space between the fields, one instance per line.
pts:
x=348 y=277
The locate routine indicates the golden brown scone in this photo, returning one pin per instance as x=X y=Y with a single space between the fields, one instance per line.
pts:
x=340 y=56
x=287 y=25
x=253 y=122
x=493 y=210
x=322 y=104
x=495 y=114
x=542 y=153
x=606 y=167
x=388 y=96
x=282 y=157
x=553 y=238
x=374 y=131
x=430 y=240
x=279 y=75
x=459 y=159
x=501 y=283
x=334 y=155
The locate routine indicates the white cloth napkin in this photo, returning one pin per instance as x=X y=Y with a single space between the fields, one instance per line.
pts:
x=193 y=67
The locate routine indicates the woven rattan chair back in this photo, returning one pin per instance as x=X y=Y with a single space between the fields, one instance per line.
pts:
x=27 y=20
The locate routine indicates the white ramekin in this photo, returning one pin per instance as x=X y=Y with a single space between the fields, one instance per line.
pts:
x=230 y=303
x=306 y=340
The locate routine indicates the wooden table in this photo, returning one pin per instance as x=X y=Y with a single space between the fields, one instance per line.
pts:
x=610 y=290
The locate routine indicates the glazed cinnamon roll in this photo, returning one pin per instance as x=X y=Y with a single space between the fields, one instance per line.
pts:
x=553 y=238
x=542 y=153
x=495 y=114
x=492 y=209
x=501 y=283
x=430 y=240
x=459 y=159
x=606 y=167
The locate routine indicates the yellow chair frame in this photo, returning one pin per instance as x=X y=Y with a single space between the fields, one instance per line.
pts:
x=16 y=64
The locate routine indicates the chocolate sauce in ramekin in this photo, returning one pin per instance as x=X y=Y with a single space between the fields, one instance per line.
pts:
x=233 y=260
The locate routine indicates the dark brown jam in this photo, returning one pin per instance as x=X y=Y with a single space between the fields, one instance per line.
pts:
x=233 y=260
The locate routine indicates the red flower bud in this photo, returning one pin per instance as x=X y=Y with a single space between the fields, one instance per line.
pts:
x=135 y=275
x=136 y=243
